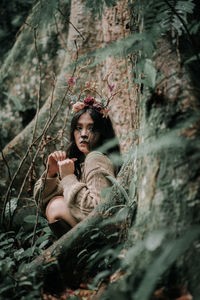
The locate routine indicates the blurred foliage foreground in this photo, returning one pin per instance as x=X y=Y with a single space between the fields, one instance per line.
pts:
x=104 y=263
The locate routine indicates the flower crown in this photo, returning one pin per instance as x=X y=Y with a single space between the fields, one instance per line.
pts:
x=90 y=102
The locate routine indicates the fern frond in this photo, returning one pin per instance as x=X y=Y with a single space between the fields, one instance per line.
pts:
x=177 y=15
x=170 y=15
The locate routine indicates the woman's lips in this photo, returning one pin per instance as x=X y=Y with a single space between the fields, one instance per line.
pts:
x=84 y=143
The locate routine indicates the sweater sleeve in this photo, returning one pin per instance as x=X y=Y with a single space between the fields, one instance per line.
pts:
x=45 y=189
x=83 y=197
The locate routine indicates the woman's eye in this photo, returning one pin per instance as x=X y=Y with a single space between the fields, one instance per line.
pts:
x=78 y=128
x=90 y=129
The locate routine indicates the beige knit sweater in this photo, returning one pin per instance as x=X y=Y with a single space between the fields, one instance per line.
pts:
x=81 y=196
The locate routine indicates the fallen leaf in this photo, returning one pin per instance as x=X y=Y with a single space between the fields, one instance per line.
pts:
x=50 y=259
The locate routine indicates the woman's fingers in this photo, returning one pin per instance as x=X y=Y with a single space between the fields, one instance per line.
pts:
x=62 y=155
x=57 y=161
x=67 y=161
x=59 y=155
x=66 y=167
x=64 y=162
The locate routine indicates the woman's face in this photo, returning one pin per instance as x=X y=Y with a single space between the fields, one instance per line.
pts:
x=86 y=139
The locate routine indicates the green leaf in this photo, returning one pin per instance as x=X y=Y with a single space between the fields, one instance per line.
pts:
x=194 y=27
x=2 y=182
x=22 y=283
x=112 y=235
x=47 y=230
x=93 y=256
x=10 y=207
x=150 y=73
x=121 y=189
x=193 y=58
x=6 y=242
x=41 y=239
x=7 y=263
x=2 y=235
x=6 y=288
x=99 y=276
x=123 y=213
x=18 y=253
x=30 y=219
x=43 y=244
x=27 y=253
x=94 y=236
x=84 y=251
x=132 y=189
x=2 y=253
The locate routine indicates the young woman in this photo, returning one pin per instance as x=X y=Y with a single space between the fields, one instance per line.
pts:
x=71 y=186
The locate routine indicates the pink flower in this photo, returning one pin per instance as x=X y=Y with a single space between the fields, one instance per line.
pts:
x=88 y=83
x=89 y=101
x=111 y=87
x=71 y=81
x=78 y=106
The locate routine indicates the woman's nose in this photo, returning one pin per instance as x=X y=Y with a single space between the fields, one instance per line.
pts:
x=84 y=132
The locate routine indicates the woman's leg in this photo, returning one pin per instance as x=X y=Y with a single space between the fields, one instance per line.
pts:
x=56 y=209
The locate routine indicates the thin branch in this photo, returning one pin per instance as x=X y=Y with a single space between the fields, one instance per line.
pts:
x=93 y=90
x=34 y=233
x=29 y=170
x=12 y=181
x=72 y=25
x=6 y=163
x=178 y=54
x=48 y=123
x=77 y=54
x=40 y=143
x=50 y=115
x=60 y=34
x=61 y=133
x=37 y=213
x=111 y=97
x=40 y=84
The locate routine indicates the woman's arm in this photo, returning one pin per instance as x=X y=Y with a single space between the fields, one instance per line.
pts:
x=45 y=189
x=48 y=185
x=82 y=197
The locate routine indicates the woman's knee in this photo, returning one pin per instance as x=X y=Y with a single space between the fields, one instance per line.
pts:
x=55 y=208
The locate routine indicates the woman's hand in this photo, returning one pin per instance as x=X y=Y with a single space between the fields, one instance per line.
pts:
x=52 y=162
x=66 y=166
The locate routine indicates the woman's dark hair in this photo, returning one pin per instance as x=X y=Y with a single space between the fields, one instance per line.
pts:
x=102 y=125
